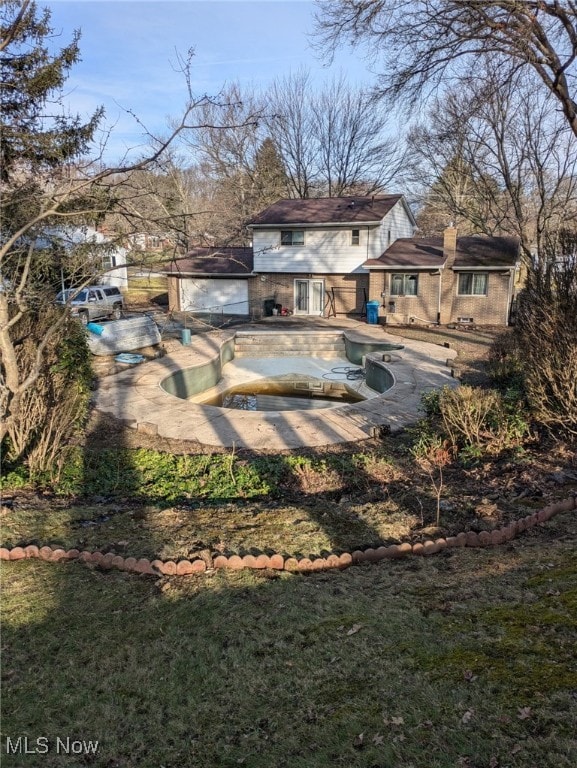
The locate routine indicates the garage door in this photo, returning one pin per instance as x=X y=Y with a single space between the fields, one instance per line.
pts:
x=208 y=294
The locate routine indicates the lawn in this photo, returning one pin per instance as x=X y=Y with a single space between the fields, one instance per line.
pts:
x=463 y=659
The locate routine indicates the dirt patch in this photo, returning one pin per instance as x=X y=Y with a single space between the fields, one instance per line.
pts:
x=471 y=344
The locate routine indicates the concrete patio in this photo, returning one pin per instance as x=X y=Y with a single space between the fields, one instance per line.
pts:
x=135 y=396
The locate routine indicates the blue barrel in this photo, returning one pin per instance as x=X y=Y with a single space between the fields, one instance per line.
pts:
x=94 y=328
x=373 y=312
x=185 y=337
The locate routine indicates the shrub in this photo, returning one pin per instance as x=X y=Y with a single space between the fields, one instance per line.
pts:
x=474 y=421
x=481 y=419
x=506 y=362
x=546 y=331
x=53 y=410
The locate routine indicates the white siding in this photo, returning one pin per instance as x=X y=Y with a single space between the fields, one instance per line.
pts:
x=398 y=224
x=328 y=250
x=203 y=294
x=325 y=250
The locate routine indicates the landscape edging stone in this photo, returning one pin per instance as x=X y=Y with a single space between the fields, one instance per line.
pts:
x=143 y=566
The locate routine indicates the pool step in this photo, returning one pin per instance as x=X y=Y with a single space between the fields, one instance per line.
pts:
x=268 y=344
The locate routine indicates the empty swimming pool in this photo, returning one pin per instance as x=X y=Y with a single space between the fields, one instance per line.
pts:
x=297 y=372
x=286 y=394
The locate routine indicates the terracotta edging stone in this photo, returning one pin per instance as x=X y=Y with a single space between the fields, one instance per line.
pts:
x=108 y=560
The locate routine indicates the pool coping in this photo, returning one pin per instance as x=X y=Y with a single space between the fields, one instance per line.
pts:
x=135 y=397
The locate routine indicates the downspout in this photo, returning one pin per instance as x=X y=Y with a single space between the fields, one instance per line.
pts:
x=368 y=237
x=509 y=297
x=439 y=296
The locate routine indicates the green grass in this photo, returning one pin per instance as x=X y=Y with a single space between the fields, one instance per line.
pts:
x=146 y=503
x=456 y=660
x=180 y=532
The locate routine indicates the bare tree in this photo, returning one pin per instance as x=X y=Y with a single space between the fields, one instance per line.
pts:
x=219 y=176
x=422 y=43
x=291 y=126
x=225 y=149
x=332 y=140
x=354 y=155
x=500 y=159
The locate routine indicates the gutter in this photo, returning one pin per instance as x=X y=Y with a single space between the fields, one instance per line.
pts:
x=406 y=267
x=504 y=268
x=210 y=274
x=439 y=297
x=280 y=225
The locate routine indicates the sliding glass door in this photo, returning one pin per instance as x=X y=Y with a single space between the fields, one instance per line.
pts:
x=309 y=297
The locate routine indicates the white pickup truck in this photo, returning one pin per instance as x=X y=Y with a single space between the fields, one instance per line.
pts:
x=93 y=302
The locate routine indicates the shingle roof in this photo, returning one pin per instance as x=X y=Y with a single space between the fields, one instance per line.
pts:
x=213 y=261
x=412 y=252
x=481 y=251
x=476 y=251
x=326 y=210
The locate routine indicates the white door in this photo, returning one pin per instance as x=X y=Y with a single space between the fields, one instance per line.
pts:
x=213 y=295
x=309 y=297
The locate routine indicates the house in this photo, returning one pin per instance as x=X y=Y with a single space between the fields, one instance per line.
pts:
x=145 y=242
x=329 y=256
x=307 y=256
x=107 y=258
x=446 y=279
x=311 y=252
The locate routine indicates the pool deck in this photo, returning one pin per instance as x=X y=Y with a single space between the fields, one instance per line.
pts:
x=135 y=396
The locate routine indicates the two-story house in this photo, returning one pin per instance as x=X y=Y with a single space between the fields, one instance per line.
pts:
x=329 y=256
x=310 y=253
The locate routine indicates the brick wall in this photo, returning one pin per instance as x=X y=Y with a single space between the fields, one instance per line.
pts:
x=491 y=309
x=349 y=293
x=485 y=310
x=423 y=306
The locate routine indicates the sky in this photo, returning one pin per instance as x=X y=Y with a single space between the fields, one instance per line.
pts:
x=130 y=50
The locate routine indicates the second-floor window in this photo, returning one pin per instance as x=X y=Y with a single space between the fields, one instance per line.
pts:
x=292 y=237
x=355 y=237
x=404 y=285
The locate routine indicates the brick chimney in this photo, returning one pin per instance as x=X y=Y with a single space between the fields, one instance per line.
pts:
x=450 y=245
x=447 y=279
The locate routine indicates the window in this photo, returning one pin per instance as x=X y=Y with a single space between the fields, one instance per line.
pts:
x=292 y=237
x=473 y=283
x=404 y=285
x=356 y=237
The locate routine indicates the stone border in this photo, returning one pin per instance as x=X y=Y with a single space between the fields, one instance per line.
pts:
x=304 y=565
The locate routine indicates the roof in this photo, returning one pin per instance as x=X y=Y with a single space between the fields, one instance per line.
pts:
x=213 y=262
x=326 y=210
x=427 y=253
x=478 y=251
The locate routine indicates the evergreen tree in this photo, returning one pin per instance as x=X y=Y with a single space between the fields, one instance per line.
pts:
x=41 y=401
x=48 y=184
x=270 y=178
